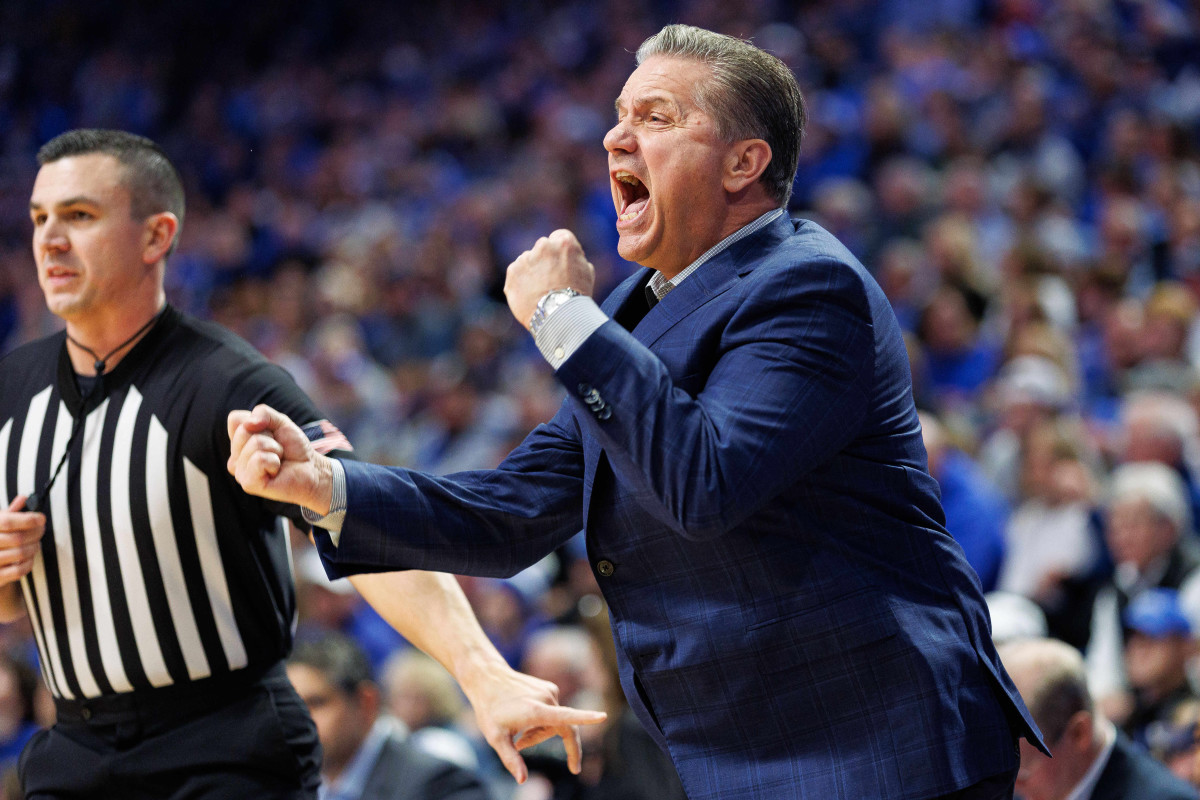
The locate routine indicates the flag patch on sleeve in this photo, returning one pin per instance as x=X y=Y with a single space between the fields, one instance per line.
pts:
x=325 y=437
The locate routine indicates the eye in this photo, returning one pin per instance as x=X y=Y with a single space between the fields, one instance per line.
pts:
x=38 y=219
x=79 y=215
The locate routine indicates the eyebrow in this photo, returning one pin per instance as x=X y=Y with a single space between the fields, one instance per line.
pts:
x=70 y=201
x=649 y=100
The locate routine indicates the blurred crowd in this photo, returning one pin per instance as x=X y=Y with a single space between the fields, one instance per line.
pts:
x=1021 y=176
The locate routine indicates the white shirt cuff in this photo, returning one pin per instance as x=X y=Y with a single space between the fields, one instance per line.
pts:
x=567 y=327
x=332 y=521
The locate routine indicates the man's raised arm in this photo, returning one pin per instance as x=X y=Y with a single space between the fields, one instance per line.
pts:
x=272 y=458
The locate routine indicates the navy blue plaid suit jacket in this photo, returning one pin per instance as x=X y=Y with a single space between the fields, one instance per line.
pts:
x=792 y=618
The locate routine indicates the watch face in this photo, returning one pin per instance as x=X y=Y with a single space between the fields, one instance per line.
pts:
x=550 y=301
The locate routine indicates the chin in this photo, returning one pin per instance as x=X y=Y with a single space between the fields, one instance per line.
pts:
x=635 y=248
x=627 y=251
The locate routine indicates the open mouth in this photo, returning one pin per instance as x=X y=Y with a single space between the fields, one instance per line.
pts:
x=634 y=195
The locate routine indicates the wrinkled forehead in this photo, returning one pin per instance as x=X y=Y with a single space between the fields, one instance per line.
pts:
x=665 y=79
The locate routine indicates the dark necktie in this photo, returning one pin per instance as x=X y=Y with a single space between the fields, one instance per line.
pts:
x=636 y=307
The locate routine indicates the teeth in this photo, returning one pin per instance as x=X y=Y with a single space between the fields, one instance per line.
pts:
x=625 y=177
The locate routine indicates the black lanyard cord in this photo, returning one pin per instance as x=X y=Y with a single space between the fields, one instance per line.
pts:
x=37 y=500
x=102 y=363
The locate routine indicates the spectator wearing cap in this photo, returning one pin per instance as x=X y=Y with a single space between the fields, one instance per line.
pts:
x=1158 y=644
x=1148 y=532
x=1092 y=760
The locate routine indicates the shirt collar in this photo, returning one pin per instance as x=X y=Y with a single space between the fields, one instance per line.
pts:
x=661 y=286
x=1131 y=581
x=1087 y=784
x=353 y=780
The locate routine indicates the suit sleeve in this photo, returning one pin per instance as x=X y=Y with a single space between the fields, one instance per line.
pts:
x=788 y=387
x=490 y=522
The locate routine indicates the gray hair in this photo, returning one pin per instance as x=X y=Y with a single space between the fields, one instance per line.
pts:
x=752 y=95
x=1056 y=679
x=1158 y=485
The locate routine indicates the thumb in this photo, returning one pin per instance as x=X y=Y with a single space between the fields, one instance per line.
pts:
x=17 y=504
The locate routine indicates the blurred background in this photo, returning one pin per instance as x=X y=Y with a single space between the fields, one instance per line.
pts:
x=1021 y=176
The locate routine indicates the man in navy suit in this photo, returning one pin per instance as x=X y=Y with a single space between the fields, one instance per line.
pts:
x=1092 y=759
x=366 y=755
x=741 y=446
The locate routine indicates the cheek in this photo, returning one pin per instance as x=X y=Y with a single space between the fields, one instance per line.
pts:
x=324 y=720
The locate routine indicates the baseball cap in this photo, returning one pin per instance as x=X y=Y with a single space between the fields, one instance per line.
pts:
x=1156 y=613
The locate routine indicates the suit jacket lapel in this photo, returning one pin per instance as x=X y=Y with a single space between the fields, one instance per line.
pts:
x=708 y=281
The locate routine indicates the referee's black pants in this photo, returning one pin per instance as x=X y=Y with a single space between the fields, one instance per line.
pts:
x=232 y=739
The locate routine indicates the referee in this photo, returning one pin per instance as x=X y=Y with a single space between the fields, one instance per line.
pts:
x=160 y=594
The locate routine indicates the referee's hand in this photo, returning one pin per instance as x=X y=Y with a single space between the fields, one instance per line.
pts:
x=20 y=540
x=271 y=457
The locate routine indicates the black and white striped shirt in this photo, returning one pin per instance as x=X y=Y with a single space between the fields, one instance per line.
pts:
x=155 y=569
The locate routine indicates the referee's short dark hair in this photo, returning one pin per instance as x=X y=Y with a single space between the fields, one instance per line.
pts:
x=150 y=177
x=336 y=656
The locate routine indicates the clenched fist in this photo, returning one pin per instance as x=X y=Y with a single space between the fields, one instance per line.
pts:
x=554 y=262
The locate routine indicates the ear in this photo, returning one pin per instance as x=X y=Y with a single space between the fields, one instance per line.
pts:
x=369 y=699
x=1080 y=731
x=747 y=160
x=161 y=230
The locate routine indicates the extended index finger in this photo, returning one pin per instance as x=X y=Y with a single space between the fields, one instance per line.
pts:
x=565 y=715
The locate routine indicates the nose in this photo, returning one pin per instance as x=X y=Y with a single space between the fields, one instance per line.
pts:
x=619 y=138
x=50 y=237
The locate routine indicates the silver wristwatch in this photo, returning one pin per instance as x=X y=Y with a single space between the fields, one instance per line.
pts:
x=550 y=301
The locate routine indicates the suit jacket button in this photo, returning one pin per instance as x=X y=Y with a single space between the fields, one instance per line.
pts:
x=584 y=388
x=605 y=567
x=604 y=413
